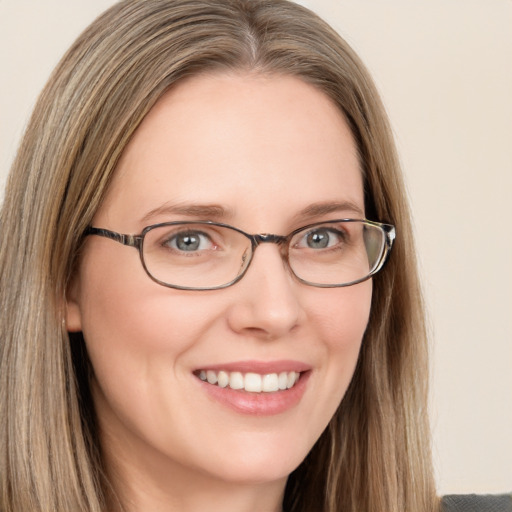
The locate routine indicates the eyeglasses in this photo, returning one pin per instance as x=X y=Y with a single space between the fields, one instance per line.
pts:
x=210 y=255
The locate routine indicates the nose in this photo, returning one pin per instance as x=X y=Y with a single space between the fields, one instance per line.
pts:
x=266 y=304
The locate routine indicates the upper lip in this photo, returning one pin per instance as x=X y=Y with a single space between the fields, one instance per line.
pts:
x=261 y=367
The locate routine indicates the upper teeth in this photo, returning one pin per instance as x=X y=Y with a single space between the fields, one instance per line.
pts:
x=253 y=382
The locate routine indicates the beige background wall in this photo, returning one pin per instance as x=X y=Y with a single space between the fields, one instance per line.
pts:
x=444 y=68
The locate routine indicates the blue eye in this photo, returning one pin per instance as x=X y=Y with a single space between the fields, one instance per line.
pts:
x=321 y=238
x=189 y=241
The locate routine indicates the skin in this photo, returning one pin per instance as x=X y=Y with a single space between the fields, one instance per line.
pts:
x=264 y=148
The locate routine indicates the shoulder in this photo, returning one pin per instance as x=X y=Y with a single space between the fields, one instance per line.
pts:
x=476 y=503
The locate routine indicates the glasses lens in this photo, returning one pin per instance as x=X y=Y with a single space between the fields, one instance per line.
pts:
x=337 y=253
x=195 y=255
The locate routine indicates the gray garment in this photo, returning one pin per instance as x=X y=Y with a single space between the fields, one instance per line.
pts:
x=477 y=503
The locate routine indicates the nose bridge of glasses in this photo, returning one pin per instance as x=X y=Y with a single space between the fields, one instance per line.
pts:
x=267 y=238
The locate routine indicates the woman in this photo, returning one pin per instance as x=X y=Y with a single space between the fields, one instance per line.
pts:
x=205 y=365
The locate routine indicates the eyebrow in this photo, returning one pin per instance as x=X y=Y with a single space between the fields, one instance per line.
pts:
x=219 y=212
x=204 y=211
x=325 y=208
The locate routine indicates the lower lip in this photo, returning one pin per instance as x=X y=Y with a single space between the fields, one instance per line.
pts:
x=258 y=404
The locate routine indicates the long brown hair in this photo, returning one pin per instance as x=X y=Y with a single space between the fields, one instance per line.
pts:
x=375 y=453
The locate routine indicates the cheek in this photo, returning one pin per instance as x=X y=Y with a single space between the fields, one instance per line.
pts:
x=137 y=333
x=121 y=307
x=340 y=316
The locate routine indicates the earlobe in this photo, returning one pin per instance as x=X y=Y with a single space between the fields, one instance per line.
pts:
x=73 y=313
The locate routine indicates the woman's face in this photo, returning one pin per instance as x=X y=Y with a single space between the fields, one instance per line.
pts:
x=264 y=154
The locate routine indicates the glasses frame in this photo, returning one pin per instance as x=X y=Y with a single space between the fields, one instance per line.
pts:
x=137 y=241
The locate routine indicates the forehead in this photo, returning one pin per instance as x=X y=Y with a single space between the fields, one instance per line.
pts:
x=251 y=143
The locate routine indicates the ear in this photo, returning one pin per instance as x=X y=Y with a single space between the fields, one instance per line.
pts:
x=73 y=311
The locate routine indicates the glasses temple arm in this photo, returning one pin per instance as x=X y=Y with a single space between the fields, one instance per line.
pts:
x=129 y=240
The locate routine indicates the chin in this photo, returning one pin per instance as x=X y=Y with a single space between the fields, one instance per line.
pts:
x=262 y=460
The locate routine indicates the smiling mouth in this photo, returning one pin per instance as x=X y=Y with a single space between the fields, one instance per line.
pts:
x=250 y=382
